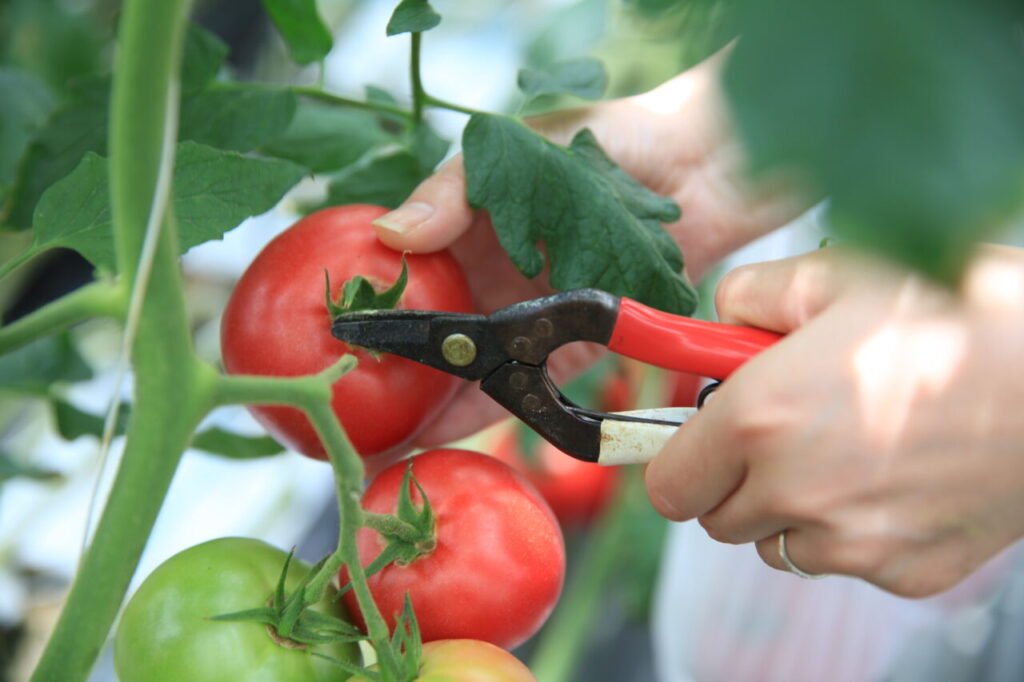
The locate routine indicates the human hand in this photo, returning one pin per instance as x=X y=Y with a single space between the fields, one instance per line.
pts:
x=673 y=139
x=883 y=433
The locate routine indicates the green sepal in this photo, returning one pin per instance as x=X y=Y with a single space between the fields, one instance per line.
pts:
x=350 y=668
x=358 y=294
x=406 y=641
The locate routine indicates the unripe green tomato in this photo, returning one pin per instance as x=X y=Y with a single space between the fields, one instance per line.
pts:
x=165 y=634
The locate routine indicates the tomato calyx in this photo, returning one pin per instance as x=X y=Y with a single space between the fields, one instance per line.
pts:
x=359 y=294
x=409 y=534
x=289 y=620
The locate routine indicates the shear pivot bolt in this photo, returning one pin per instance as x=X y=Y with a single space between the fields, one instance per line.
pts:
x=458 y=350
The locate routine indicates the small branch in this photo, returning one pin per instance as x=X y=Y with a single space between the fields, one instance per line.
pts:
x=98 y=299
x=418 y=95
x=430 y=100
x=380 y=107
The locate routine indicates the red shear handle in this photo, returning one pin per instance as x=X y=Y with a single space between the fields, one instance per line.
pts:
x=709 y=349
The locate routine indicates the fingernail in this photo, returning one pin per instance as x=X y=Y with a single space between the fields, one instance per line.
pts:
x=406 y=217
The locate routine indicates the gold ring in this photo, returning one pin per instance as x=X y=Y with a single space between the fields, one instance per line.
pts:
x=793 y=568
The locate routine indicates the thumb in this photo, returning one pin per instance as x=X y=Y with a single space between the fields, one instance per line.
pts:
x=434 y=215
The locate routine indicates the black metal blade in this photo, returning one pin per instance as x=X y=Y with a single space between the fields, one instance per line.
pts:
x=420 y=335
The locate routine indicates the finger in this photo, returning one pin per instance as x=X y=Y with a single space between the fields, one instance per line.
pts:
x=697 y=468
x=780 y=295
x=434 y=215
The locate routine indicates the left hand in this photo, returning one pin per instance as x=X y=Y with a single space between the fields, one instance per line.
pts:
x=884 y=432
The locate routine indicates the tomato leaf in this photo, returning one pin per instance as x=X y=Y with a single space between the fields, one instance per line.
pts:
x=385 y=177
x=213 y=192
x=324 y=137
x=601 y=228
x=236 y=117
x=73 y=423
x=300 y=25
x=34 y=367
x=584 y=77
x=412 y=16
x=203 y=59
x=235 y=445
x=11 y=468
x=914 y=133
x=25 y=105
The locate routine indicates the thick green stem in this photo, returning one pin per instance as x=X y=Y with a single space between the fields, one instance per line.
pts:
x=171 y=393
x=99 y=299
x=430 y=100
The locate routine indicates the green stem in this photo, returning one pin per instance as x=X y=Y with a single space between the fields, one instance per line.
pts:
x=19 y=260
x=381 y=107
x=440 y=103
x=567 y=633
x=418 y=95
x=391 y=525
x=312 y=394
x=98 y=299
x=170 y=391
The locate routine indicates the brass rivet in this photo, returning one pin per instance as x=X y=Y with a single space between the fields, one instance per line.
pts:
x=531 y=403
x=543 y=327
x=459 y=350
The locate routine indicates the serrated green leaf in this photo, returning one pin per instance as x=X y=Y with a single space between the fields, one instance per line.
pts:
x=25 y=105
x=302 y=29
x=34 y=367
x=12 y=468
x=73 y=423
x=76 y=128
x=324 y=137
x=584 y=77
x=385 y=179
x=907 y=115
x=217 y=441
x=213 y=191
x=236 y=117
x=203 y=59
x=412 y=16
x=600 y=227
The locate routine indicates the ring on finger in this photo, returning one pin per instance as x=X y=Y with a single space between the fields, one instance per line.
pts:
x=790 y=566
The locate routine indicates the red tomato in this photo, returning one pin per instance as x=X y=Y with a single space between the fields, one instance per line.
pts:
x=577 y=491
x=499 y=563
x=467 y=660
x=276 y=324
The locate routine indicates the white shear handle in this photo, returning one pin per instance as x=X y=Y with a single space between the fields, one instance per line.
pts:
x=630 y=442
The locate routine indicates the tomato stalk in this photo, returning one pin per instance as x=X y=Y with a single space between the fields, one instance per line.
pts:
x=312 y=394
x=169 y=380
x=418 y=95
x=323 y=96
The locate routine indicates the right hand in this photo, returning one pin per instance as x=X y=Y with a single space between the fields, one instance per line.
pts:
x=674 y=139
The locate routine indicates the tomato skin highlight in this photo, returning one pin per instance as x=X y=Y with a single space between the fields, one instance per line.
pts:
x=468 y=660
x=499 y=564
x=276 y=324
x=165 y=635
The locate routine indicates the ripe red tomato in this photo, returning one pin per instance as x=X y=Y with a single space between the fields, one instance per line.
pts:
x=499 y=563
x=276 y=324
x=467 y=660
x=577 y=491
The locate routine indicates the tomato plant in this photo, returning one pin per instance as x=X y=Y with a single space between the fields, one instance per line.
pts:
x=467 y=660
x=577 y=491
x=497 y=568
x=166 y=632
x=276 y=323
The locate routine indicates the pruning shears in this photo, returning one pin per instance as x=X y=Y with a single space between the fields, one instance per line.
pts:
x=507 y=353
